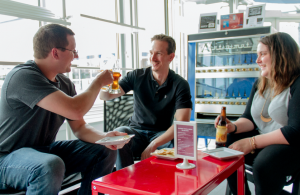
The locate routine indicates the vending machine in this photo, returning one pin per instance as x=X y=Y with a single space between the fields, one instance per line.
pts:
x=221 y=72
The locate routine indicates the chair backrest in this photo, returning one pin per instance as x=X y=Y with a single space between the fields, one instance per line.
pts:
x=117 y=112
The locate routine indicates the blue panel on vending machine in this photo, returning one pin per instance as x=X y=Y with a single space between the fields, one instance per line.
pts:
x=199 y=61
x=236 y=59
x=248 y=58
x=253 y=58
x=206 y=60
x=212 y=61
x=225 y=60
x=243 y=59
x=219 y=61
x=230 y=60
x=191 y=74
x=232 y=90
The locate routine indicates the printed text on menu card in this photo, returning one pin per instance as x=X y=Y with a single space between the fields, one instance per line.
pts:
x=185 y=140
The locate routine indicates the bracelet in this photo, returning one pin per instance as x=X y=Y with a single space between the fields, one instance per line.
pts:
x=235 y=129
x=253 y=145
x=252 y=151
x=253 y=142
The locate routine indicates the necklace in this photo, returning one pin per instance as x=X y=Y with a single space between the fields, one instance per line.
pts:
x=266 y=120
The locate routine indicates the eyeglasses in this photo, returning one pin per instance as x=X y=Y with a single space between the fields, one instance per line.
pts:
x=75 y=52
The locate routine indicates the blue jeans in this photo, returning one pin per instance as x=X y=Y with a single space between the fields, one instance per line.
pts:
x=41 y=170
x=137 y=145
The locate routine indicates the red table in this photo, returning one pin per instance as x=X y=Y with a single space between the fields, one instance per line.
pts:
x=159 y=176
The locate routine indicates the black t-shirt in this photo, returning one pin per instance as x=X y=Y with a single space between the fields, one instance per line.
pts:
x=154 y=105
x=22 y=123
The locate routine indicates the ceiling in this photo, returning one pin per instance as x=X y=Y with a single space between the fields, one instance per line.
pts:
x=245 y=1
x=279 y=1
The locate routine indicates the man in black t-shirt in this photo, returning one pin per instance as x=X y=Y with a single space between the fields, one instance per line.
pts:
x=36 y=98
x=159 y=94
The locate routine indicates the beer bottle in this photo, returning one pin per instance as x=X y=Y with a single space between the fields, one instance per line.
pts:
x=221 y=136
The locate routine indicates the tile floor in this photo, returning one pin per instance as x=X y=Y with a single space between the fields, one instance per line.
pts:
x=221 y=189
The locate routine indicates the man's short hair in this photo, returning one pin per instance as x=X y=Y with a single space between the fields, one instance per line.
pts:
x=48 y=37
x=171 y=42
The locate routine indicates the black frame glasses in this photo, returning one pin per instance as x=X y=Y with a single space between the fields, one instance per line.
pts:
x=75 y=52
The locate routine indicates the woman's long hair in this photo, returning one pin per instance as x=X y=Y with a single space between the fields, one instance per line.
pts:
x=285 y=63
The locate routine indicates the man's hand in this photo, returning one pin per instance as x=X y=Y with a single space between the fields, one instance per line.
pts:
x=105 y=77
x=150 y=148
x=242 y=145
x=115 y=133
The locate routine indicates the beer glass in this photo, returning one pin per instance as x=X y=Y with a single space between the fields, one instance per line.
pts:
x=107 y=65
x=114 y=87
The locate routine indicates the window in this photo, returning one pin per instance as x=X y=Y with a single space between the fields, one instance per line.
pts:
x=292 y=28
x=151 y=17
x=55 y=6
x=29 y=2
x=184 y=20
x=16 y=42
x=98 y=8
x=16 y=38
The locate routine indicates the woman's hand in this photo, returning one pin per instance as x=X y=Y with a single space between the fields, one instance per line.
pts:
x=230 y=126
x=242 y=145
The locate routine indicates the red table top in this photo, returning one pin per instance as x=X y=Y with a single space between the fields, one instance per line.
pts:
x=158 y=176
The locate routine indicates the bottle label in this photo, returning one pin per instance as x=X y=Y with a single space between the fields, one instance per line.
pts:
x=221 y=136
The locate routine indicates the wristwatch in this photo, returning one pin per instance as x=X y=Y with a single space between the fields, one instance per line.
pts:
x=235 y=129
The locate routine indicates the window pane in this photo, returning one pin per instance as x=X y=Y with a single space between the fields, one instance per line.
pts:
x=75 y=73
x=153 y=23
x=94 y=40
x=94 y=73
x=186 y=21
x=16 y=38
x=104 y=9
x=282 y=7
x=55 y=6
x=190 y=22
x=29 y=2
x=85 y=74
x=127 y=18
x=4 y=70
x=292 y=28
x=128 y=52
x=82 y=78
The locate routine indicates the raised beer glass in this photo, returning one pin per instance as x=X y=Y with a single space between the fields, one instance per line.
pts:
x=114 y=87
x=107 y=65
